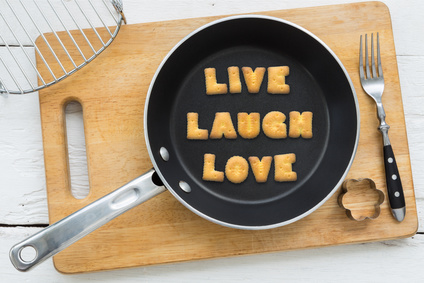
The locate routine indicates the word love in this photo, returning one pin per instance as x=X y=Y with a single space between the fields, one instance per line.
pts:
x=253 y=79
x=249 y=125
x=237 y=168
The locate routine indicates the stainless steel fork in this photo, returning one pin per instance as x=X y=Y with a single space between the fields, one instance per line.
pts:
x=373 y=84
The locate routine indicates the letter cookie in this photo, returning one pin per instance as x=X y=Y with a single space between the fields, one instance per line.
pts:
x=300 y=125
x=212 y=87
x=283 y=167
x=260 y=168
x=248 y=125
x=273 y=125
x=234 y=79
x=223 y=126
x=236 y=169
x=209 y=172
x=277 y=80
x=193 y=131
x=253 y=79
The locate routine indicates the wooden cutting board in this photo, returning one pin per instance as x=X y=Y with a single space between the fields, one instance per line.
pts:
x=112 y=91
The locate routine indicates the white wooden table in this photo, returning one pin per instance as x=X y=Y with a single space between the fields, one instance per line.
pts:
x=23 y=205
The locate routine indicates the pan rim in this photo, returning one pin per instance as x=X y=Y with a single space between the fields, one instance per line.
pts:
x=169 y=187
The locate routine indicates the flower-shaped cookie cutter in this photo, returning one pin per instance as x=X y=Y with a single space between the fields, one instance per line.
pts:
x=361 y=199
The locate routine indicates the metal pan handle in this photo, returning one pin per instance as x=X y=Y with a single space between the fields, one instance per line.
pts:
x=67 y=231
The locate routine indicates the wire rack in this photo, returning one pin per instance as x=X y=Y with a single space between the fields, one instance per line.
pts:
x=52 y=37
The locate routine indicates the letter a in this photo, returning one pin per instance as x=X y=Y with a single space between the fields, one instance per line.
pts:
x=223 y=126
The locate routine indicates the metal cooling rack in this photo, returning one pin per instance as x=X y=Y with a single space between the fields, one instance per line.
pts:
x=36 y=33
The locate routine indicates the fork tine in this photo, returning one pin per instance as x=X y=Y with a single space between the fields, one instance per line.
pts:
x=361 y=60
x=374 y=71
x=380 y=68
x=367 y=65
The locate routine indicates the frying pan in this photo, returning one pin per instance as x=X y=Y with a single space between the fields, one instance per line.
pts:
x=318 y=83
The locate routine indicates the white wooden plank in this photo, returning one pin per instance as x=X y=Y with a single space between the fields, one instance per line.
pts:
x=28 y=19
x=405 y=17
x=147 y=11
x=411 y=79
x=406 y=23
x=389 y=261
x=18 y=68
x=22 y=181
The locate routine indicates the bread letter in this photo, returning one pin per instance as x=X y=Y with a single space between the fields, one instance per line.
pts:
x=223 y=126
x=212 y=87
x=248 y=125
x=253 y=79
x=273 y=125
x=234 y=79
x=300 y=125
x=277 y=80
x=283 y=167
x=209 y=172
x=236 y=169
x=193 y=131
x=260 y=168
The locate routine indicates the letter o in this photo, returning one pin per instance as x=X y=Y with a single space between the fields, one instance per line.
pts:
x=236 y=169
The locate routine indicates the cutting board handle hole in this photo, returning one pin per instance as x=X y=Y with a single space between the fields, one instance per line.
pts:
x=76 y=150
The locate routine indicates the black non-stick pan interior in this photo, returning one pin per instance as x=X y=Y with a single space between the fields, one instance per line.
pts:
x=318 y=83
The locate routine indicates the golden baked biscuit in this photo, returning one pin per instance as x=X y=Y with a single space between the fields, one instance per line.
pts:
x=234 y=79
x=277 y=80
x=260 y=168
x=193 y=131
x=253 y=79
x=283 y=167
x=209 y=172
x=212 y=87
x=248 y=125
x=300 y=124
x=236 y=169
x=223 y=126
x=273 y=125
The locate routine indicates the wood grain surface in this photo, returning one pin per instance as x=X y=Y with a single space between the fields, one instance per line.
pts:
x=112 y=90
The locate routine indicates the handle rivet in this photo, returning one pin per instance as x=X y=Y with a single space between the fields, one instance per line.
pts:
x=184 y=186
x=164 y=154
x=397 y=194
x=394 y=177
x=390 y=160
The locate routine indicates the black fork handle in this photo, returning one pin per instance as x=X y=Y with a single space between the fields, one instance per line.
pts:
x=393 y=182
